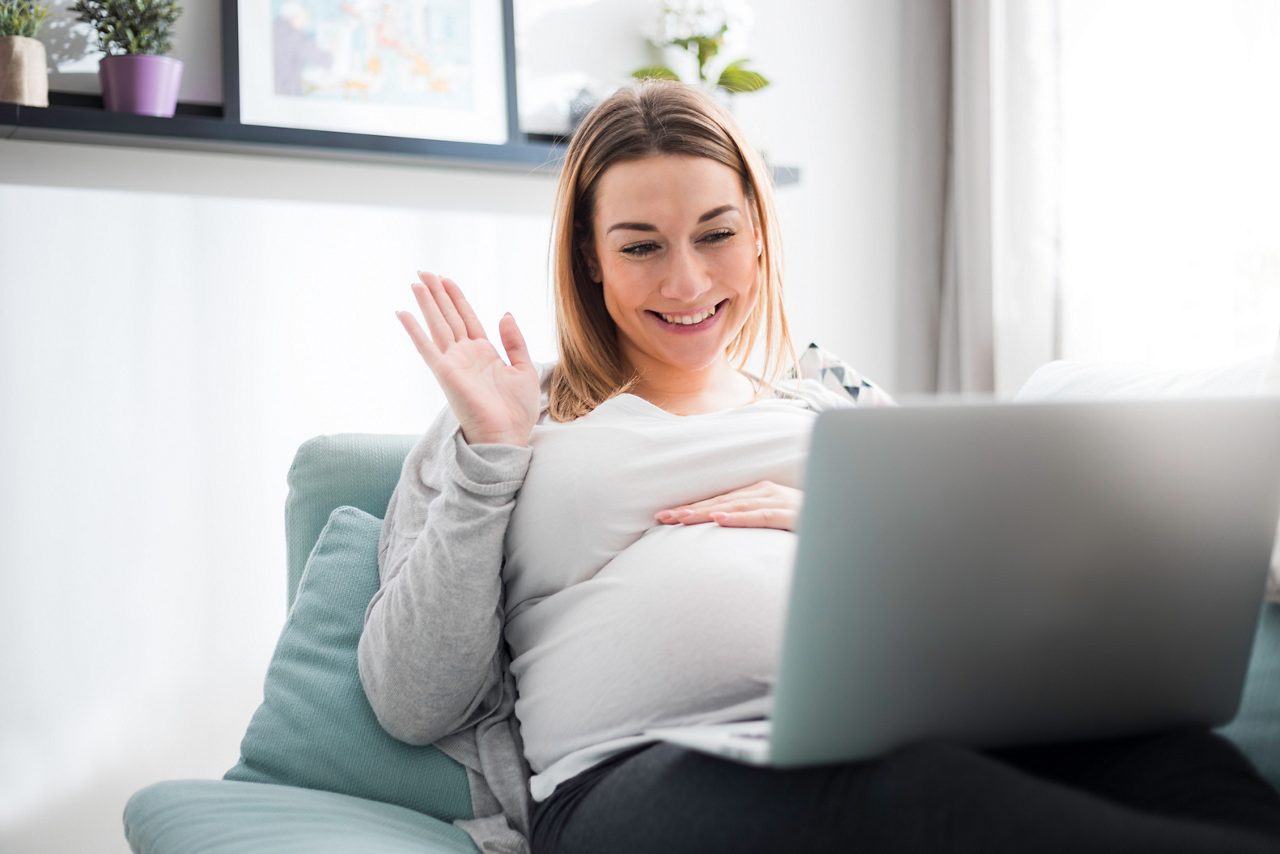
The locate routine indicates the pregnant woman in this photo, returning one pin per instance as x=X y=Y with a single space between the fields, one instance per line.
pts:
x=581 y=551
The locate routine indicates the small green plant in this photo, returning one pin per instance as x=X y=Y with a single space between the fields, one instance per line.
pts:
x=21 y=18
x=131 y=26
x=703 y=27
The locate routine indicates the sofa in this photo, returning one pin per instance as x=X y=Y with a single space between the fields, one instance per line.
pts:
x=318 y=774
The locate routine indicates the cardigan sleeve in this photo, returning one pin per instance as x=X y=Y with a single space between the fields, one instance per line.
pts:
x=429 y=653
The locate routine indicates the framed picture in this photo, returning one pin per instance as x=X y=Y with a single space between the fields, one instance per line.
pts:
x=420 y=69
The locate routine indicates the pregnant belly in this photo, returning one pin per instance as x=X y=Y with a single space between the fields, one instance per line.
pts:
x=684 y=626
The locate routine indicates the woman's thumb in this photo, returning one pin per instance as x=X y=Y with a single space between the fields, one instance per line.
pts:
x=513 y=341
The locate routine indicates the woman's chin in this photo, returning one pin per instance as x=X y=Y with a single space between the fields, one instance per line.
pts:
x=688 y=356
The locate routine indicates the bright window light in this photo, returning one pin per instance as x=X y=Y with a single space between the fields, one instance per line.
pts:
x=1170 y=179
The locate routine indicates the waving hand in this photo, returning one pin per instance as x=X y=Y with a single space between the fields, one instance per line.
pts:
x=495 y=402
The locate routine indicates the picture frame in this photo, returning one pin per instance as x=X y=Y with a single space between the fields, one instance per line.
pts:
x=415 y=70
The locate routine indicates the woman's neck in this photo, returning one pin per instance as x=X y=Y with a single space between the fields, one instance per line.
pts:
x=717 y=387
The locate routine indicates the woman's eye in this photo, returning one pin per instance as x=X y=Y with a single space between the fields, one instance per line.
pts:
x=640 y=250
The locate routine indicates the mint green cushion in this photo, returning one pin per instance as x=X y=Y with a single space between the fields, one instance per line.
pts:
x=351 y=469
x=1256 y=728
x=222 y=817
x=315 y=727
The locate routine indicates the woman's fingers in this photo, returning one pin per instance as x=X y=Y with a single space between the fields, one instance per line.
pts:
x=420 y=340
x=764 y=487
x=765 y=517
x=445 y=303
x=451 y=319
x=436 y=323
x=697 y=515
x=761 y=505
x=513 y=342
x=734 y=515
x=469 y=320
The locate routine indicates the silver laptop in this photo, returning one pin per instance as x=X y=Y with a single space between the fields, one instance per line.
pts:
x=1000 y=574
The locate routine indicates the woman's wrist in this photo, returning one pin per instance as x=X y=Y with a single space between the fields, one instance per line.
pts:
x=497 y=439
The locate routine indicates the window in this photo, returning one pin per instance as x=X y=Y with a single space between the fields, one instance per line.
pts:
x=1170 y=158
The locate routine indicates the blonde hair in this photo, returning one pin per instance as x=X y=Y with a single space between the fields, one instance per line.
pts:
x=650 y=118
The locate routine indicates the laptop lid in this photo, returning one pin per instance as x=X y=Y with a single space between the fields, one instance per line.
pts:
x=996 y=574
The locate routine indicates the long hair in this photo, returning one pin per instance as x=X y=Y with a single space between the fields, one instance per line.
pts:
x=650 y=118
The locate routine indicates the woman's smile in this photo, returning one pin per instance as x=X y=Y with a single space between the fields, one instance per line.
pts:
x=689 y=323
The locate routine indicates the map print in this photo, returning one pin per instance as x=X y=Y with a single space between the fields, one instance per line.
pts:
x=406 y=53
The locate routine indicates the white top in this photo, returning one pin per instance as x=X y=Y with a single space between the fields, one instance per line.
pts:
x=616 y=623
x=432 y=658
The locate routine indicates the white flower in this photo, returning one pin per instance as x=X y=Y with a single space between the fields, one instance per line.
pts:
x=740 y=18
x=691 y=19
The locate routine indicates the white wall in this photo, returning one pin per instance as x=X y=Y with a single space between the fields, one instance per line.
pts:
x=173 y=325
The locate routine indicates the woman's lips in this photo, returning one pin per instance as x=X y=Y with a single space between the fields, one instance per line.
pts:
x=690 y=328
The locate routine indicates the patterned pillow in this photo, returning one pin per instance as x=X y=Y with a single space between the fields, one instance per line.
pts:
x=839 y=376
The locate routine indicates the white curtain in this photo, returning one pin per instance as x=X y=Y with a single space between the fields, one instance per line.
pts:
x=1092 y=179
x=1000 y=284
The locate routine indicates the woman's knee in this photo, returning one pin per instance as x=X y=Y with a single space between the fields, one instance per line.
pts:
x=928 y=759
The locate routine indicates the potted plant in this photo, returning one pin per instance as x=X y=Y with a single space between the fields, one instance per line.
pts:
x=24 y=72
x=691 y=34
x=135 y=34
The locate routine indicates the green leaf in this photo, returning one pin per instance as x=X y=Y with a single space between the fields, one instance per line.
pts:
x=21 y=18
x=130 y=26
x=707 y=49
x=735 y=78
x=661 y=72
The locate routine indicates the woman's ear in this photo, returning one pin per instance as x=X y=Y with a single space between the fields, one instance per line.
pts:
x=755 y=228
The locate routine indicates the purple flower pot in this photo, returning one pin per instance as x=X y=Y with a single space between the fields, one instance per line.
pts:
x=140 y=83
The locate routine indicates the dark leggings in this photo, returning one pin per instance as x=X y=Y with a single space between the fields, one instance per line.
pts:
x=1188 y=790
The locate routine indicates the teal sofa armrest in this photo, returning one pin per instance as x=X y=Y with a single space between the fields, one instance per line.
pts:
x=227 y=817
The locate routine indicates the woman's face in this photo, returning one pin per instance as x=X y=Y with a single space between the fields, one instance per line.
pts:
x=674 y=243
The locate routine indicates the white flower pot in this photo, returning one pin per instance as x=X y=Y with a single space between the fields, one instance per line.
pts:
x=24 y=71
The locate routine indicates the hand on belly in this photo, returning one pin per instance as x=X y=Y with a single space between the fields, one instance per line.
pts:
x=764 y=504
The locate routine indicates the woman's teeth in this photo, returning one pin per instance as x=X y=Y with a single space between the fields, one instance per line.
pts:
x=690 y=319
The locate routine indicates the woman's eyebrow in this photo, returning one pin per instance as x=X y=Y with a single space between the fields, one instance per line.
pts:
x=644 y=226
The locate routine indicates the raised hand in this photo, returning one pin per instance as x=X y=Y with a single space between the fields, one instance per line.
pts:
x=761 y=505
x=495 y=402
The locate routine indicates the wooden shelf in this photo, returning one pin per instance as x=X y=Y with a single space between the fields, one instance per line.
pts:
x=75 y=117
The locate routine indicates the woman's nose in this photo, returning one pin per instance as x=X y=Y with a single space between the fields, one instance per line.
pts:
x=686 y=277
